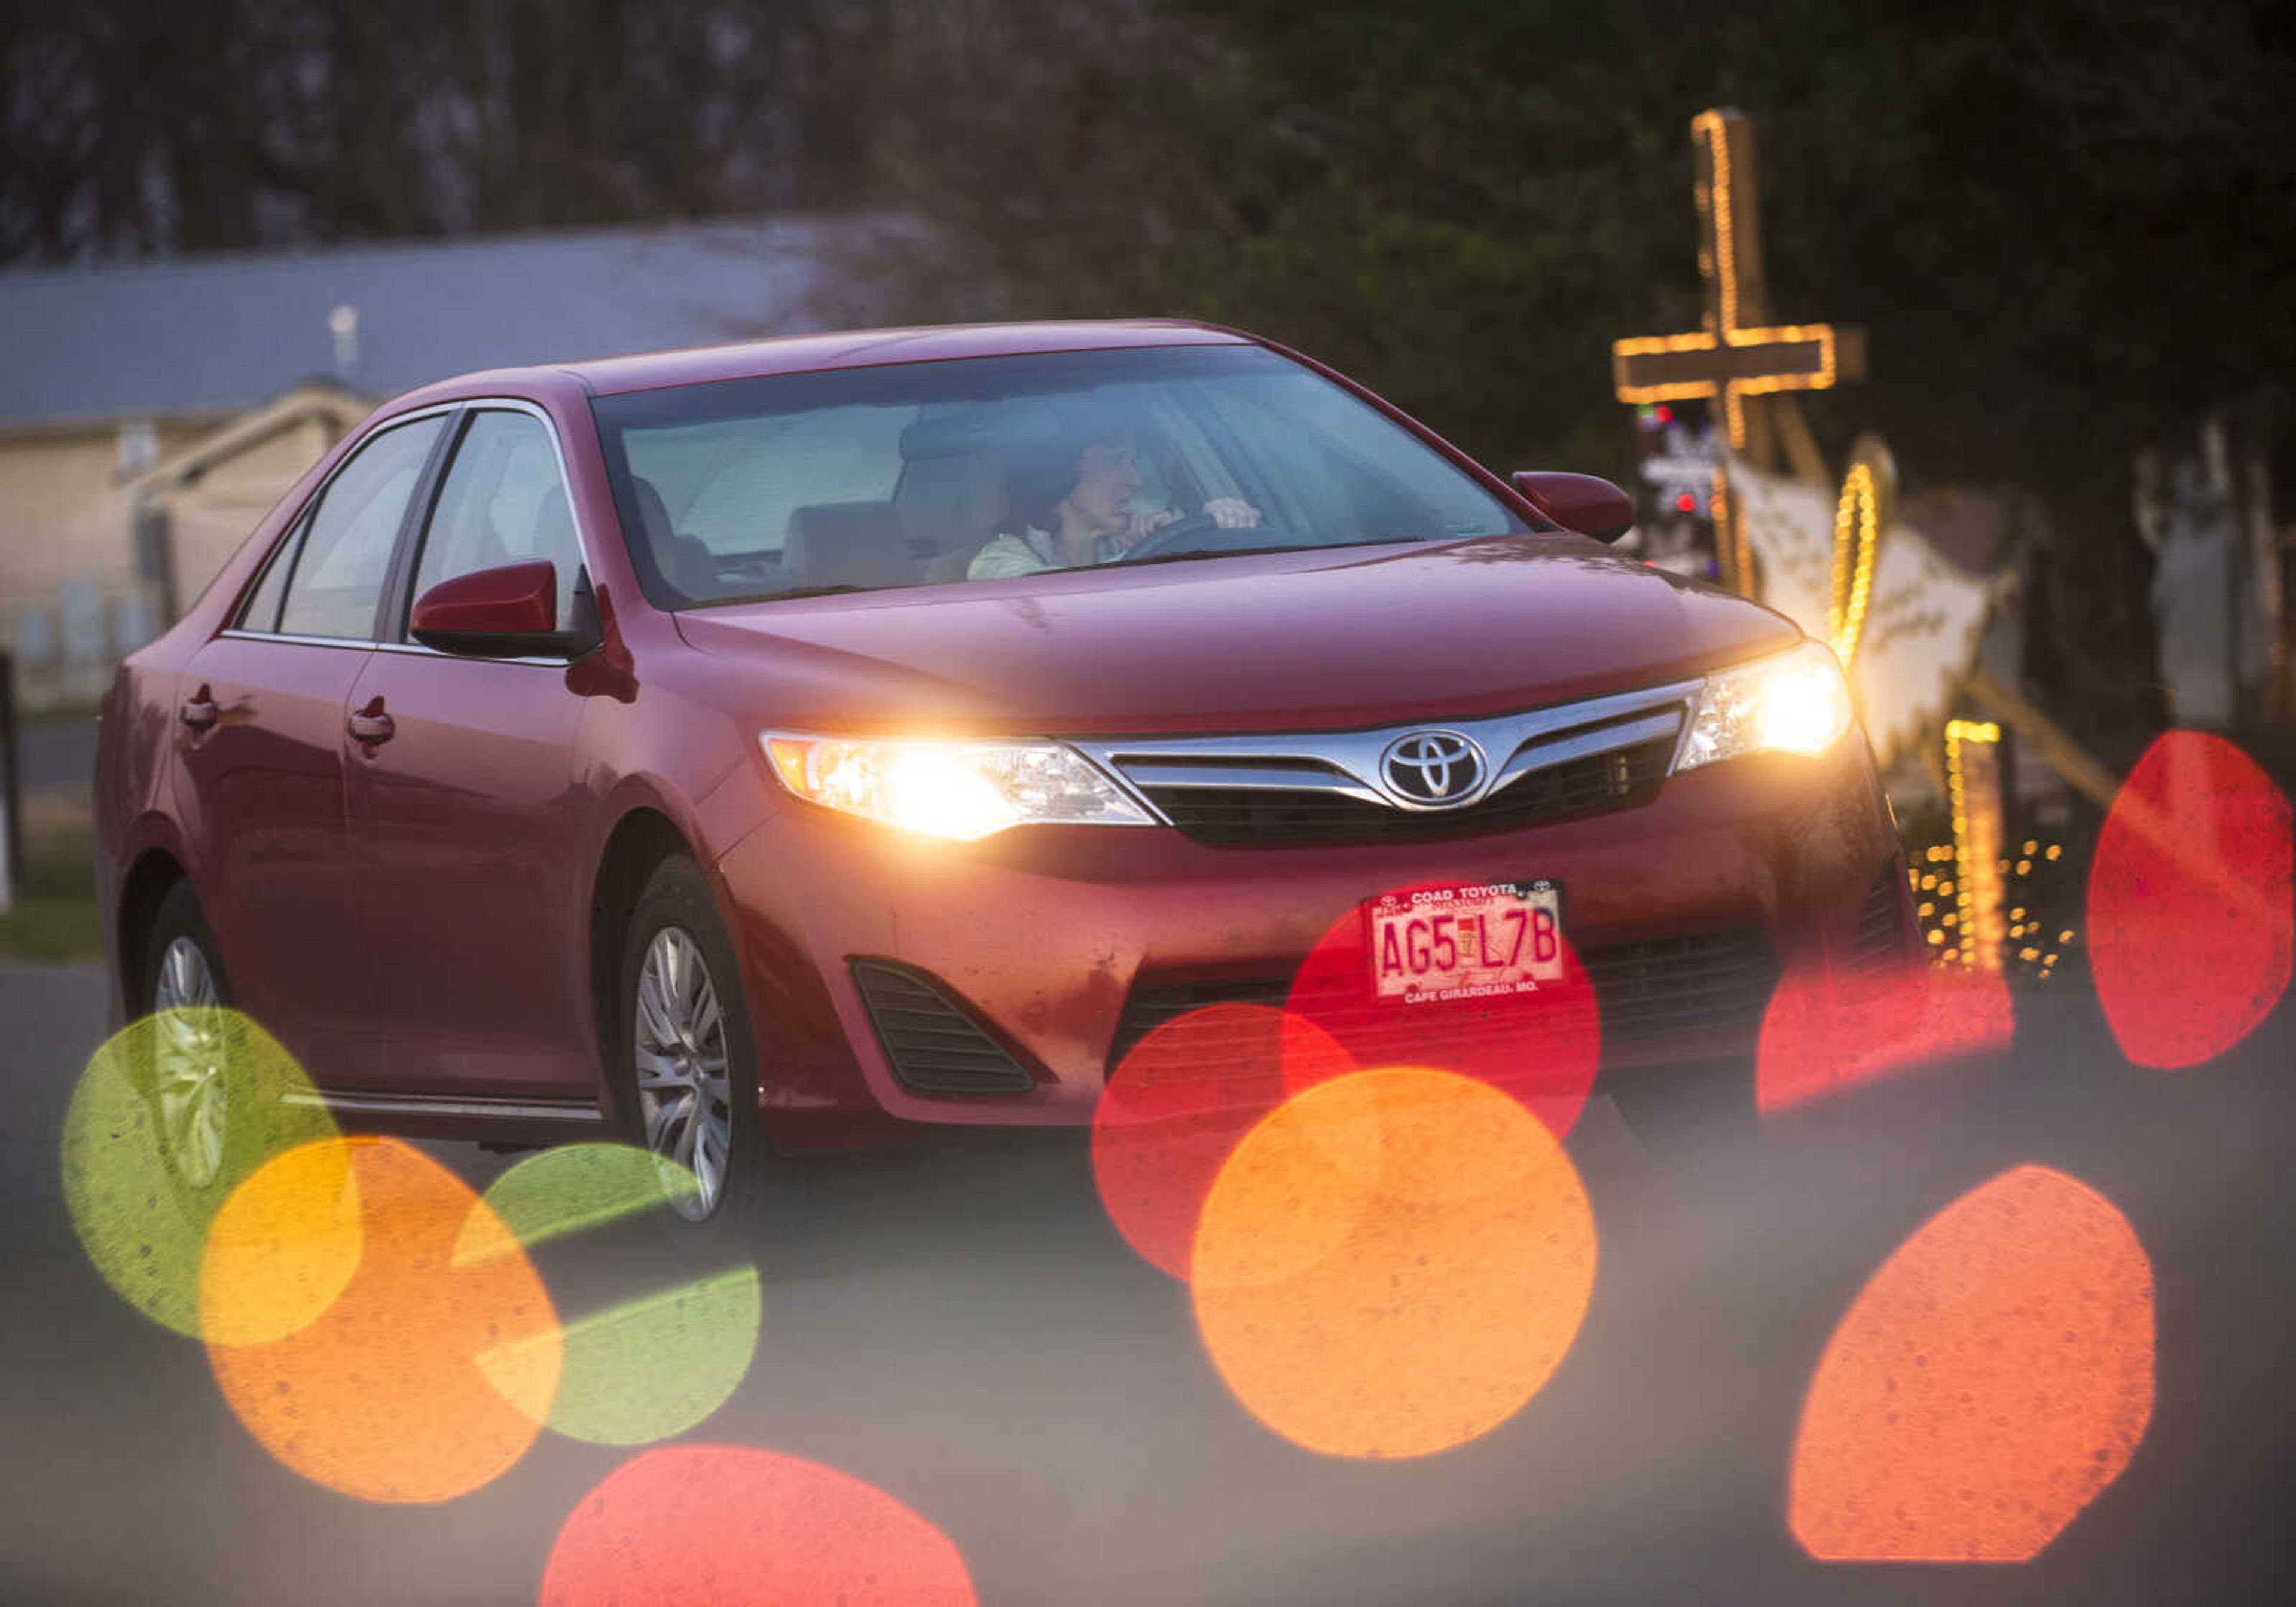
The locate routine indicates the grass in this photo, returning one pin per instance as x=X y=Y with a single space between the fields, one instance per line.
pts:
x=53 y=917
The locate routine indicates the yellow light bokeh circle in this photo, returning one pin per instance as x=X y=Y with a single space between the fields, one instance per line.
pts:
x=647 y=1367
x=140 y=1190
x=1392 y=1262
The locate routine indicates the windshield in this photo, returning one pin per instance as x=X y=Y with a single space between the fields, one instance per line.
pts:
x=988 y=468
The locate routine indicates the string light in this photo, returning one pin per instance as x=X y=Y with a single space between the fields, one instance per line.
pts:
x=1798 y=356
x=1857 y=542
x=1938 y=911
x=1725 y=332
x=1709 y=128
x=1977 y=883
x=1731 y=388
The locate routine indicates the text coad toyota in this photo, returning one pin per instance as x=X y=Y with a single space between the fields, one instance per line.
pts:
x=777 y=747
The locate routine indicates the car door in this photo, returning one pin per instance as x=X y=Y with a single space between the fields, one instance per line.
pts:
x=261 y=781
x=465 y=815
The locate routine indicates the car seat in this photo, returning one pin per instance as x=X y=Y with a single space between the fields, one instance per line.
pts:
x=951 y=496
x=857 y=543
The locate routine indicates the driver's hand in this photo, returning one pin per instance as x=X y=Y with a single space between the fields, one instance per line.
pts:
x=1231 y=513
x=1142 y=523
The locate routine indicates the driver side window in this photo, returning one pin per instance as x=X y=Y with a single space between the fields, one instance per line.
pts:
x=501 y=502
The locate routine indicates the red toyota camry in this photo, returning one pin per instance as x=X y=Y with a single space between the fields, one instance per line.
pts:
x=779 y=746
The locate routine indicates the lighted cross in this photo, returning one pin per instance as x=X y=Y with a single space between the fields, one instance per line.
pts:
x=1739 y=353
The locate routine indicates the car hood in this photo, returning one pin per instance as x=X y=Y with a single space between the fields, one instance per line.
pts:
x=1326 y=638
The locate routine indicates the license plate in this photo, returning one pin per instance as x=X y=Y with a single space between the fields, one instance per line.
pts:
x=1471 y=941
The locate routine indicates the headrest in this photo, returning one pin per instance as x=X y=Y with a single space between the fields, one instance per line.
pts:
x=952 y=500
x=655 y=511
x=951 y=435
x=684 y=560
x=848 y=544
x=552 y=530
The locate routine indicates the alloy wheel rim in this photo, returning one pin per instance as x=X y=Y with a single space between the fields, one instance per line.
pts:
x=685 y=1096
x=188 y=1069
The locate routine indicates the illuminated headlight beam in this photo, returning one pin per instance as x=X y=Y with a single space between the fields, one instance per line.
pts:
x=961 y=790
x=1793 y=702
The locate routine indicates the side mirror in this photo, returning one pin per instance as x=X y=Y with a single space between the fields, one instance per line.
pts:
x=1585 y=503
x=506 y=612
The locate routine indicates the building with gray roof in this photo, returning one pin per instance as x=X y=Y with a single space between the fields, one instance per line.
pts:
x=247 y=367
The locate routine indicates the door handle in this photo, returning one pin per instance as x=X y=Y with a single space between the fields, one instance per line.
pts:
x=372 y=724
x=199 y=712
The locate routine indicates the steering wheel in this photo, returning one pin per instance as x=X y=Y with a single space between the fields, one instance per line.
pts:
x=1201 y=530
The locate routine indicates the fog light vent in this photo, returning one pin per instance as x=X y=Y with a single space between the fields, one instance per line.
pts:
x=1882 y=939
x=932 y=1045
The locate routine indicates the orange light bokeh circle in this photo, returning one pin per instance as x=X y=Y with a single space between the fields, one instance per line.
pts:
x=1989 y=1380
x=722 y=1524
x=1540 y=1047
x=283 y=1246
x=1828 y=1029
x=1176 y=1106
x=1392 y=1262
x=420 y=1379
x=2189 y=923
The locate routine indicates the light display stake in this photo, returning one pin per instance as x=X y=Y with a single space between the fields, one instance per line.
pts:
x=1737 y=354
x=1972 y=767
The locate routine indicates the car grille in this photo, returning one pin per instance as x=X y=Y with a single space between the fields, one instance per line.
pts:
x=1233 y=816
x=932 y=1043
x=1650 y=989
x=1335 y=787
x=1659 y=986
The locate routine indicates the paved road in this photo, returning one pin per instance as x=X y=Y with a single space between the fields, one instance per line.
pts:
x=965 y=1333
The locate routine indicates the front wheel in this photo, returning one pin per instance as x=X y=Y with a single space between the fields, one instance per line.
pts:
x=687 y=1057
x=186 y=989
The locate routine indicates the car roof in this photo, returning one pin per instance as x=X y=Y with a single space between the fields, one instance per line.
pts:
x=870 y=348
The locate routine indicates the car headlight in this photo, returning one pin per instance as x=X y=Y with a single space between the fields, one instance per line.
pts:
x=1795 y=702
x=950 y=788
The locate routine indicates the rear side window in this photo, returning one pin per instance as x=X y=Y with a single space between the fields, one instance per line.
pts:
x=337 y=579
x=501 y=502
x=262 y=610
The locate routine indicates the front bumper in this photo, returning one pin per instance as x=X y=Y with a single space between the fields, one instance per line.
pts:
x=1049 y=935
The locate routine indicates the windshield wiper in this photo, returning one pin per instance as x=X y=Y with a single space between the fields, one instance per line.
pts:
x=807 y=591
x=1219 y=551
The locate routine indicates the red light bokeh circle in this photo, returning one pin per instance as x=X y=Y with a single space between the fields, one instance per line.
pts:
x=684 y=1525
x=1180 y=1101
x=2188 y=902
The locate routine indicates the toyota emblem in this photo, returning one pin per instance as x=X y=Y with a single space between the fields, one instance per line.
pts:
x=1433 y=769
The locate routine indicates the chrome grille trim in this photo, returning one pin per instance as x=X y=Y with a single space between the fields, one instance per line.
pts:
x=1538 y=755
x=1346 y=763
x=1269 y=777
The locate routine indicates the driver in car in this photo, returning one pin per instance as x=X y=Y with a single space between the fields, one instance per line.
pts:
x=1073 y=497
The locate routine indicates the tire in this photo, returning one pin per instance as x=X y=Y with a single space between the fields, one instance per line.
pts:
x=185 y=1076
x=684 y=1043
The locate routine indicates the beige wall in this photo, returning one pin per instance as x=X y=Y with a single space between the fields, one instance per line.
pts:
x=65 y=517
x=62 y=517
